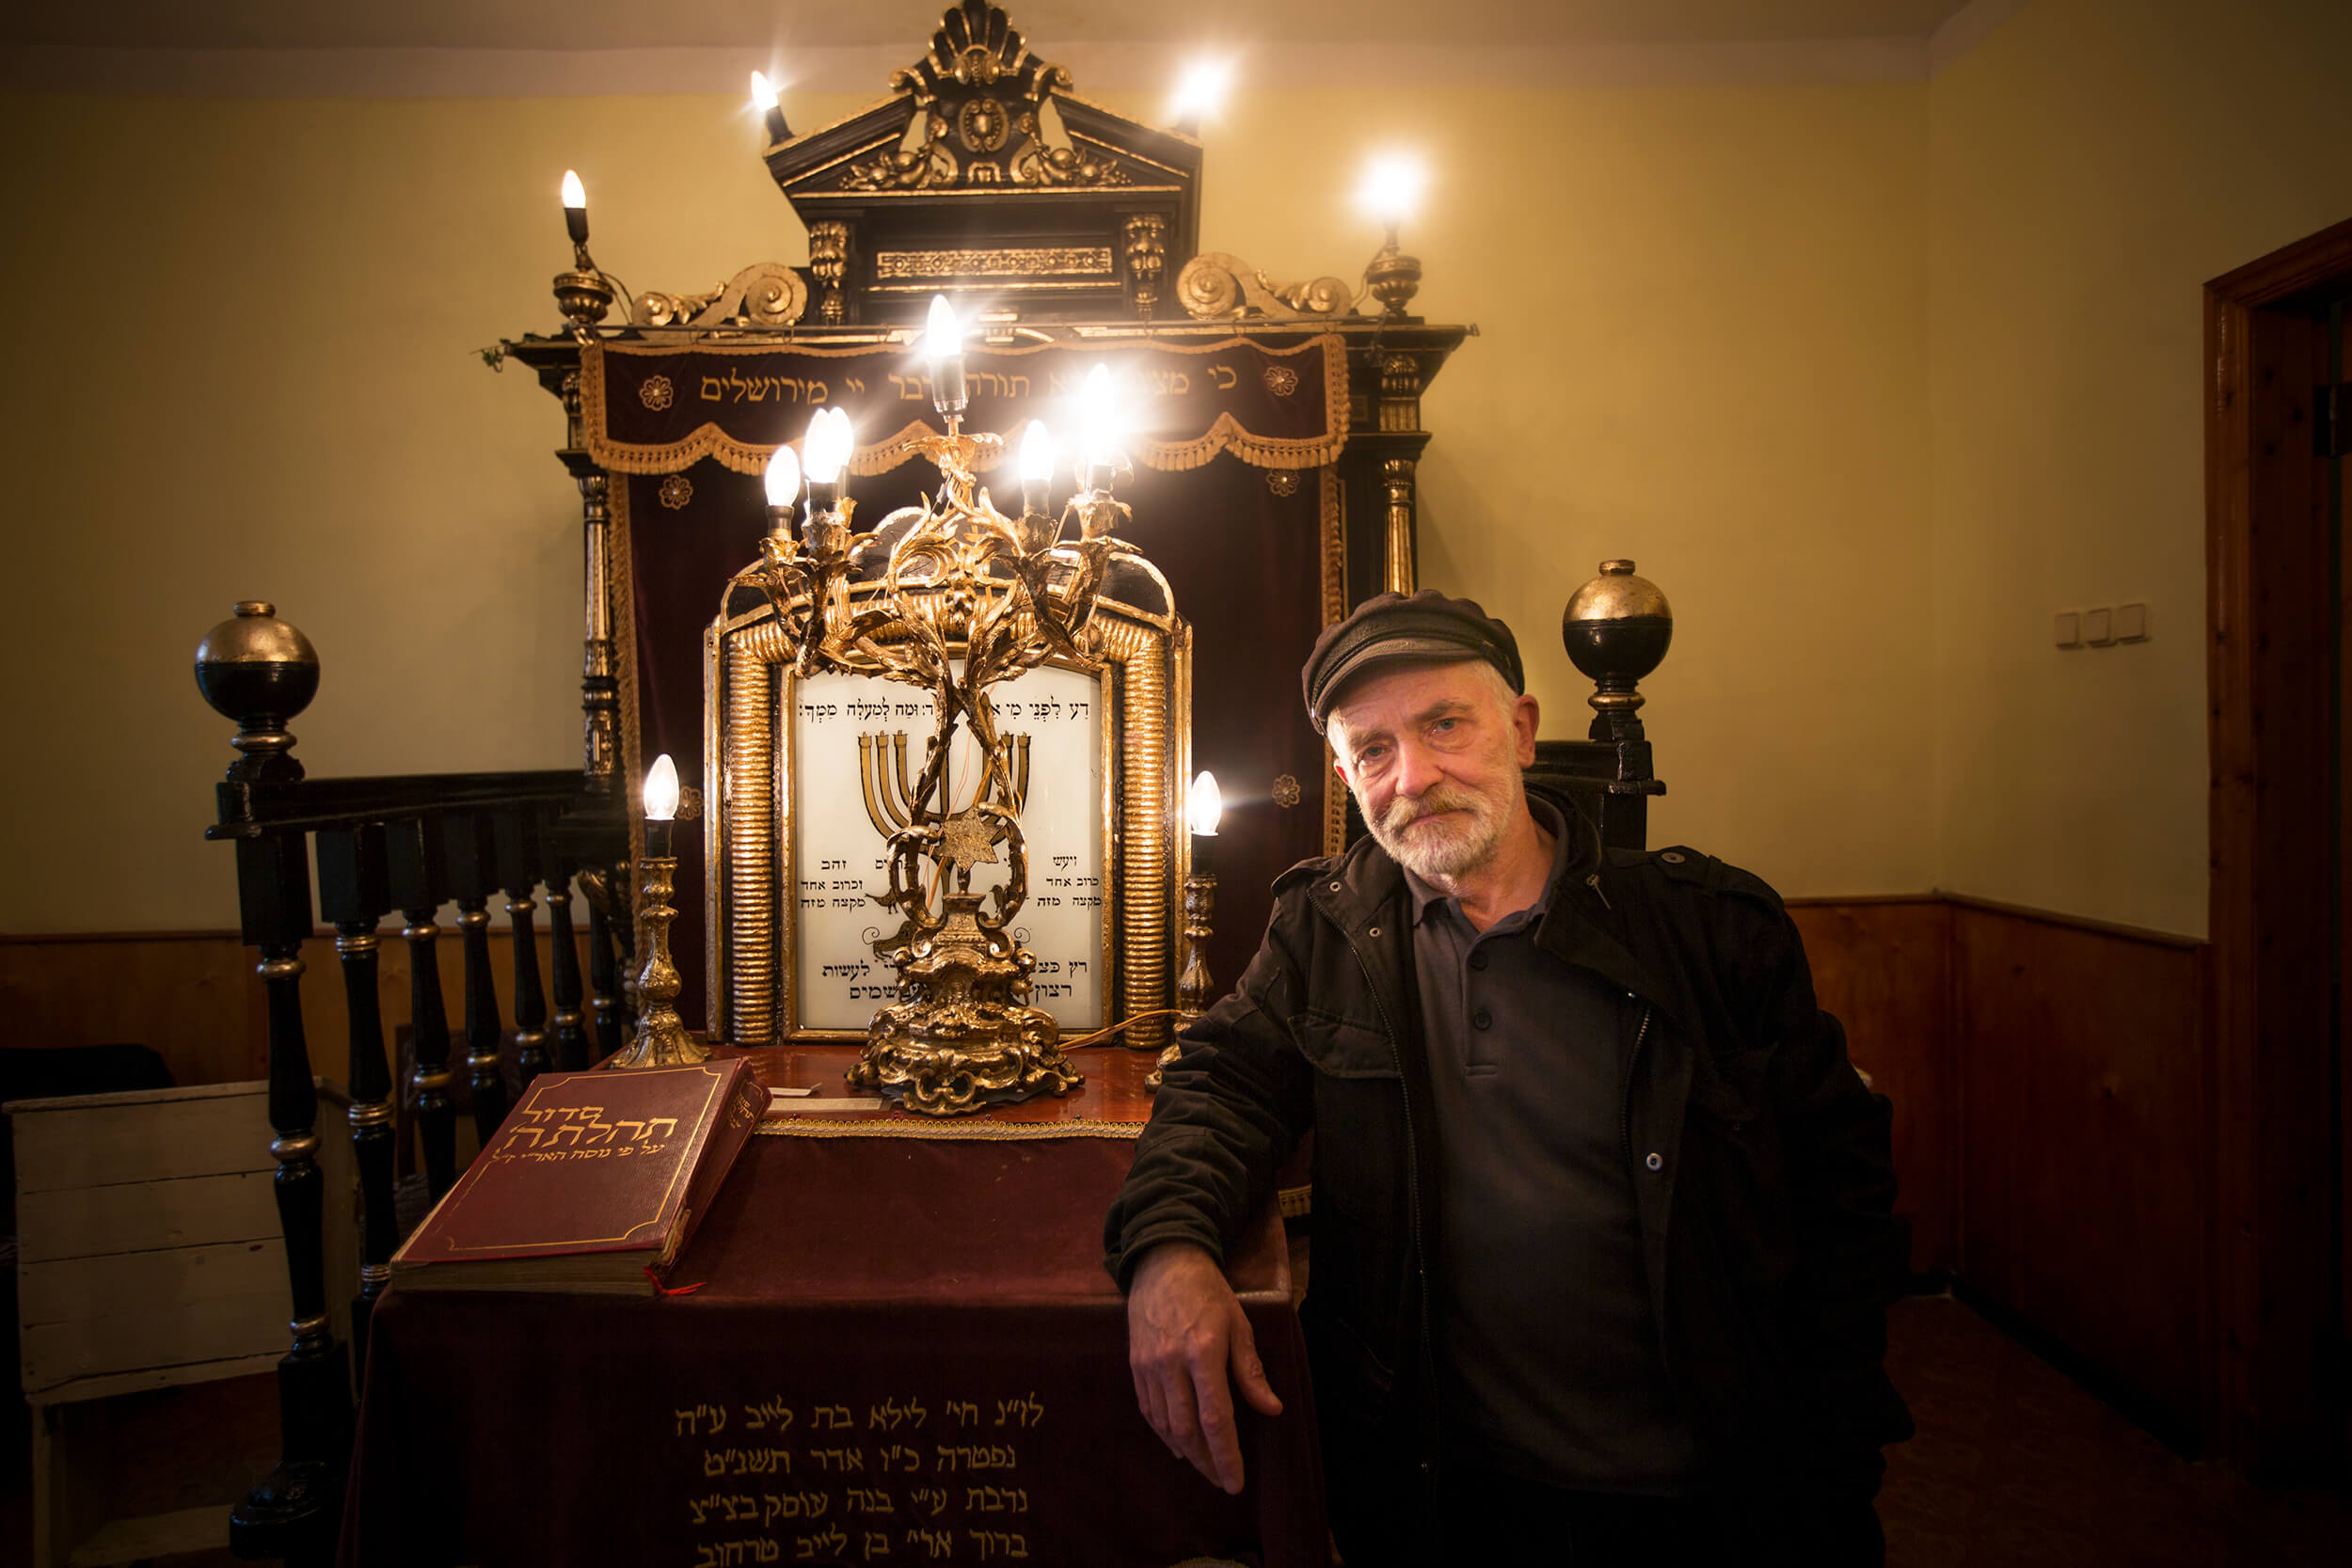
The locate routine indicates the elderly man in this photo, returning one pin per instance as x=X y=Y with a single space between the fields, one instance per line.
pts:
x=1603 y=1237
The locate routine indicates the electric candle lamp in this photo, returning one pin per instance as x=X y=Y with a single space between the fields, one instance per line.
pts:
x=575 y=207
x=828 y=446
x=784 y=488
x=1392 y=193
x=943 y=345
x=769 y=103
x=1203 y=807
x=1201 y=93
x=1391 y=189
x=1098 y=430
x=1037 y=470
x=660 y=805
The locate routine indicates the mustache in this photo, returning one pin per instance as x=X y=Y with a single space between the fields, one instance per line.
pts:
x=1405 y=808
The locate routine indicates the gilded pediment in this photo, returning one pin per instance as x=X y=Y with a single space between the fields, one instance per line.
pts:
x=984 y=142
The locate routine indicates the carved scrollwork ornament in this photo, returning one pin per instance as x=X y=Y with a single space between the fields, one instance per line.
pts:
x=1216 y=285
x=766 y=294
x=976 y=89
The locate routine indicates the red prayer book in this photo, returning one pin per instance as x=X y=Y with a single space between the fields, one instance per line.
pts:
x=594 y=1183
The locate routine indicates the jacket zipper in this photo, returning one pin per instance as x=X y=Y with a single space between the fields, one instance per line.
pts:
x=1412 y=1194
x=1625 y=1102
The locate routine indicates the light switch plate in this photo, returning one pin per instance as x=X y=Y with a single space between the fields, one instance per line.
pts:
x=2131 y=623
x=2070 y=628
x=2098 y=627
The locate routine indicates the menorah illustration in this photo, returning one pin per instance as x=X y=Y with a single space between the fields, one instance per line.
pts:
x=890 y=809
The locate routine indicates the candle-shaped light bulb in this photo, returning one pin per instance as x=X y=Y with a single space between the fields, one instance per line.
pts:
x=1202 y=808
x=824 y=454
x=942 y=335
x=1098 y=430
x=661 y=804
x=767 y=103
x=1206 y=804
x=943 y=345
x=1037 y=484
x=784 y=482
x=661 y=789
x=1201 y=93
x=830 y=442
x=575 y=207
x=1391 y=188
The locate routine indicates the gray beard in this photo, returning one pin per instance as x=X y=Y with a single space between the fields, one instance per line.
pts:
x=1462 y=846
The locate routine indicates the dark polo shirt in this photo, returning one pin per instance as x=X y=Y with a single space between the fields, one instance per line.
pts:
x=1548 y=1356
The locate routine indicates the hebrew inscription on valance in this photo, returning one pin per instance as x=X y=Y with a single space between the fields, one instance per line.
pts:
x=655 y=410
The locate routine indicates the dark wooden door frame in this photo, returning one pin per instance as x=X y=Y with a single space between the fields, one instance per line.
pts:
x=2270 y=575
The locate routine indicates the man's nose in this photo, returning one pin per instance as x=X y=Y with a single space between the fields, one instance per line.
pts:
x=1416 y=768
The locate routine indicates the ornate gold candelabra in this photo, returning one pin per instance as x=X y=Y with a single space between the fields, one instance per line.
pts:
x=967 y=597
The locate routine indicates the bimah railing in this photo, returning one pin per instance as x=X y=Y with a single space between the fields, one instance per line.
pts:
x=411 y=844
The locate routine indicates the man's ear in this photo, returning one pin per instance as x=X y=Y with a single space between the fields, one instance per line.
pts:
x=1526 y=714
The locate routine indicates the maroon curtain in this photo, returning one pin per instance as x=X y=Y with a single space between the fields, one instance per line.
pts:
x=1243 y=547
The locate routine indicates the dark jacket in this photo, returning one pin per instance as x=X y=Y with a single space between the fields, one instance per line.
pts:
x=1760 y=1163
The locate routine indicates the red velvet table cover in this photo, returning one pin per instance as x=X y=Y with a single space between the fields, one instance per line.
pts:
x=904 y=1350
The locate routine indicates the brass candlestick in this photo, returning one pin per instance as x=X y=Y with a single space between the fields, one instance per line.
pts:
x=1195 y=990
x=662 y=1039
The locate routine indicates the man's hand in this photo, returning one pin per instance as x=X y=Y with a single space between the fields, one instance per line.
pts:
x=1185 y=1328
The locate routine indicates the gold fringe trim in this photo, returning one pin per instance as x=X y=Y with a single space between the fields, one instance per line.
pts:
x=1334 y=609
x=910 y=1126
x=1225 y=433
x=620 y=572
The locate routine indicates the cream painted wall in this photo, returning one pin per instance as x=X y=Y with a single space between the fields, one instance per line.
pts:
x=1704 y=327
x=2092 y=163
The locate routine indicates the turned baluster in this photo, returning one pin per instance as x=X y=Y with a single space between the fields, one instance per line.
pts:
x=417 y=858
x=262 y=672
x=471 y=878
x=353 y=896
x=605 y=1006
x=566 y=1028
x=515 y=839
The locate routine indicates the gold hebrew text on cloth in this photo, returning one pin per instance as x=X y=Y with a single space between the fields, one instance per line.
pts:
x=793 y=1481
x=1183 y=403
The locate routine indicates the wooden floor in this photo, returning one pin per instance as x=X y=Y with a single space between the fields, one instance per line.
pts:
x=2014 y=1467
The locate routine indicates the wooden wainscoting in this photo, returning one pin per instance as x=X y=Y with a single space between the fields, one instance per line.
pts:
x=2086 y=1177
x=2051 y=1126
x=194 y=999
x=1884 y=967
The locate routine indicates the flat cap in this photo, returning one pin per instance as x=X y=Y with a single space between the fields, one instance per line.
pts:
x=1396 y=627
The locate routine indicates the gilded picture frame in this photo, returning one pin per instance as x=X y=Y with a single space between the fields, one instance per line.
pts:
x=1141 y=660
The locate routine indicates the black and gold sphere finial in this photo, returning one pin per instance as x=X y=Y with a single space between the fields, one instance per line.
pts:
x=1617 y=628
x=260 y=671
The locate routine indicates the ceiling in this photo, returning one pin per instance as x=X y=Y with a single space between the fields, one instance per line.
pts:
x=595 y=24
